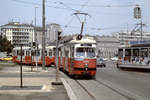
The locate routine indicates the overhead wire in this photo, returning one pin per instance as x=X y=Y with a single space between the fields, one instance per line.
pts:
x=94 y=28
x=83 y=5
x=33 y=3
x=61 y=3
x=69 y=8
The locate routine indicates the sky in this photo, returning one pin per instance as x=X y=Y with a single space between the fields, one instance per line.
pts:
x=104 y=16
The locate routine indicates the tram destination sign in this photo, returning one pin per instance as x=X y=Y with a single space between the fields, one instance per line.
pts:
x=86 y=45
x=139 y=42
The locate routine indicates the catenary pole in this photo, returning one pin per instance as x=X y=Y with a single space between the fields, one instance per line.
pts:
x=43 y=36
x=35 y=34
x=21 y=79
x=36 y=45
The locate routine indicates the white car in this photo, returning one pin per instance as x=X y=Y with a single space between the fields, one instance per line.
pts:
x=105 y=59
x=114 y=58
x=100 y=62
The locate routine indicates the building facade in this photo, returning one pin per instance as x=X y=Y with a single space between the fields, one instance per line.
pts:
x=125 y=37
x=52 y=30
x=39 y=33
x=18 y=33
x=107 y=46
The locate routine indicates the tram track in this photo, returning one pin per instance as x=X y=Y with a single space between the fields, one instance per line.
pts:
x=115 y=90
x=95 y=96
x=92 y=97
x=85 y=84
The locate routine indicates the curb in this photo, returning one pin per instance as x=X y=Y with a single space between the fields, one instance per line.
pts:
x=130 y=68
x=69 y=90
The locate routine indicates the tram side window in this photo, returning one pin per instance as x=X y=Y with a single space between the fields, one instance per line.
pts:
x=135 y=52
x=54 y=51
x=27 y=53
x=32 y=53
x=61 y=56
x=128 y=52
x=66 y=53
x=38 y=52
x=17 y=52
x=45 y=53
x=50 y=52
x=22 y=53
x=120 y=52
x=63 y=52
x=59 y=52
x=14 y=53
x=144 y=52
x=72 y=52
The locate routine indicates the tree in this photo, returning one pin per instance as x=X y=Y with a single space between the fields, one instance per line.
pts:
x=5 y=45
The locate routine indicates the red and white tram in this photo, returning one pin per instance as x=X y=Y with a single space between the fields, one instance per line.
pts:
x=26 y=55
x=49 y=55
x=77 y=57
x=30 y=56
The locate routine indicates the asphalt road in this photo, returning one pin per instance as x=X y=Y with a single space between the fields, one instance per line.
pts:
x=110 y=84
x=136 y=83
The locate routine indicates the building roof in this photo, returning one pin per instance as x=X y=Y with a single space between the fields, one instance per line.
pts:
x=18 y=24
x=106 y=39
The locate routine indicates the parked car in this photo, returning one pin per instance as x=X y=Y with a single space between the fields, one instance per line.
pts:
x=7 y=58
x=114 y=58
x=100 y=62
x=105 y=59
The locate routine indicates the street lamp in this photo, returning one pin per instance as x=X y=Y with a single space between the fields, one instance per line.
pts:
x=35 y=38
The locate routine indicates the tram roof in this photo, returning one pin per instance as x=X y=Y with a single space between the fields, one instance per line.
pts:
x=18 y=48
x=83 y=40
x=50 y=47
x=73 y=39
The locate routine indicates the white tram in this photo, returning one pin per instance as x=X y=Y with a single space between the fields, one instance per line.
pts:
x=77 y=57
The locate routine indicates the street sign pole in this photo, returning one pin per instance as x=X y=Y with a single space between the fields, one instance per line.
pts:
x=21 y=82
x=43 y=37
x=56 y=60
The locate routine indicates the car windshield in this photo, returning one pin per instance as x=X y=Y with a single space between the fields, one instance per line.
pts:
x=85 y=52
x=100 y=60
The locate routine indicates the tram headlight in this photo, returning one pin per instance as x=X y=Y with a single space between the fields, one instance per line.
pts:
x=86 y=66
